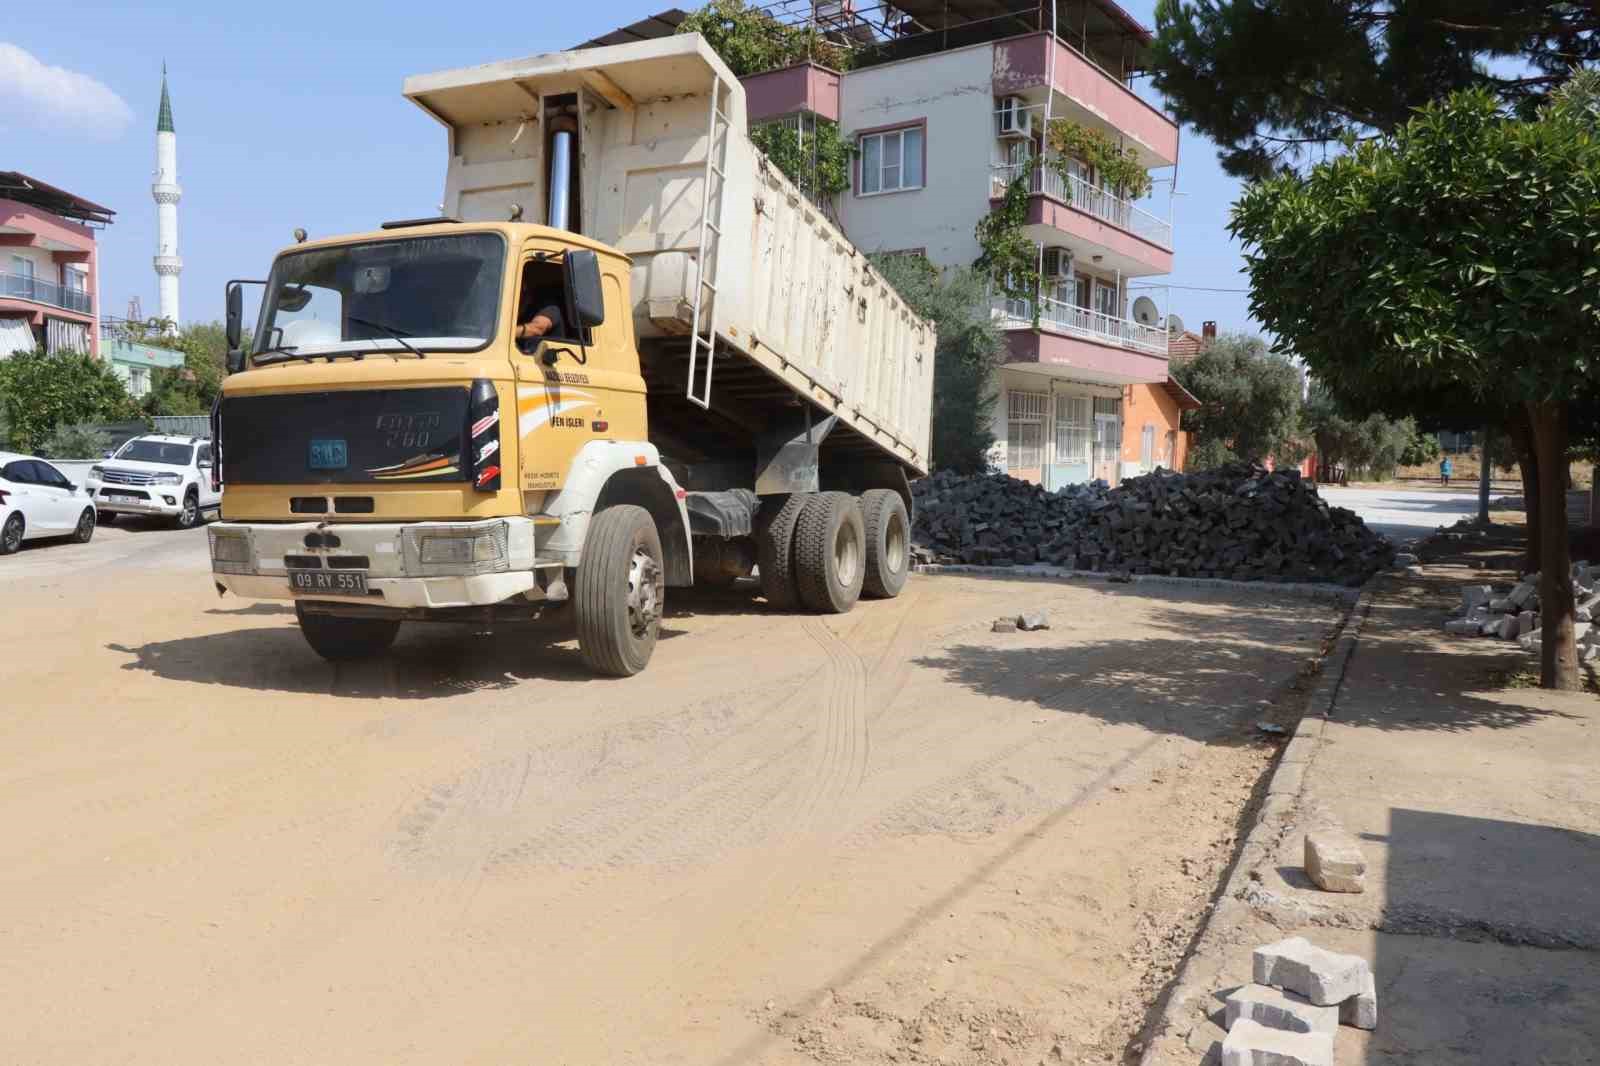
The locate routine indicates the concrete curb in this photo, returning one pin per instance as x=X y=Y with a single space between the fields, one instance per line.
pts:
x=1274 y=818
x=1043 y=571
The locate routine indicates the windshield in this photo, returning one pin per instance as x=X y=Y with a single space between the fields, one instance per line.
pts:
x=432 y=292
x=153 y=451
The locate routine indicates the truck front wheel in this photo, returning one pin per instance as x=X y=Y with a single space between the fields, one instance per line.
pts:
x=619 y=591
x=345 y=639
x=830 y=548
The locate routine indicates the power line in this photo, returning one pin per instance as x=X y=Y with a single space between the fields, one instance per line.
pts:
x=1186 y=288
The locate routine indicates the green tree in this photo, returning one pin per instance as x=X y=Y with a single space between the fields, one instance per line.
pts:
x=1250 y=401
x=190 y=388
x=1459 y=253
x=40 y=391
x=968 y=350
x=1269 y=80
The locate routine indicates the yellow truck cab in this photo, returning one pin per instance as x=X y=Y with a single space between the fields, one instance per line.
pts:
x=480 y=418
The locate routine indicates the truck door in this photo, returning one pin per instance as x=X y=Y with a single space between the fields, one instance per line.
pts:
x=574 y=385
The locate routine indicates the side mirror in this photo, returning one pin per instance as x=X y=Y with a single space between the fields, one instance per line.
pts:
x=235 y=360
x=235 y=318
x=583 y=287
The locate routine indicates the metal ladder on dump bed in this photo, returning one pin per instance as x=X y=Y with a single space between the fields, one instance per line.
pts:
x=708 y=261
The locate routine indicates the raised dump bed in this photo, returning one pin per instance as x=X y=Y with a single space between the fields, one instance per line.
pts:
x=746 y=298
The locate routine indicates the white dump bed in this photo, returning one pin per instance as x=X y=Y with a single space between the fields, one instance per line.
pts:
x=790 y=292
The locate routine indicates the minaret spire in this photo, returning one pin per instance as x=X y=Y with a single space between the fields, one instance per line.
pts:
x=167 y=192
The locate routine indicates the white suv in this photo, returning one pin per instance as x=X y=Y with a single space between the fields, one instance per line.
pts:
x=169 y=477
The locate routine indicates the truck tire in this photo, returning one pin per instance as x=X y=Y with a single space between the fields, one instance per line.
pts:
x=340 y=640
x=775 y=549
x=830 y=552
x=619 y=591
x=883 y=513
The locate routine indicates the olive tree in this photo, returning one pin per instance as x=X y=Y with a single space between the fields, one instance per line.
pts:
x=1461 y=251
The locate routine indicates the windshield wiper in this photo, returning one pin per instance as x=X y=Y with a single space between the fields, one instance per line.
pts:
x=391 y=331
x=288 y=351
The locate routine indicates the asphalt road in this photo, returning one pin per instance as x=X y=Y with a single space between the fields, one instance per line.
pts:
x=1404 y=514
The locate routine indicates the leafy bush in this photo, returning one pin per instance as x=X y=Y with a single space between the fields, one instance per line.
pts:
x=818 y=164
x=1421 y=449
x=968 y=351
x=76 y=442
x=1118 y=167
x=1208 y=455
x=751 y=41
x=40 y=392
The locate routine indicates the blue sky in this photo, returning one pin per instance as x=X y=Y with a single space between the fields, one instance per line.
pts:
x=290 y=114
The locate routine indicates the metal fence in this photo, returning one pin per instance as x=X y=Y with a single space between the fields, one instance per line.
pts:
x=183 y=425
x=28 y=287
x=1090 y=199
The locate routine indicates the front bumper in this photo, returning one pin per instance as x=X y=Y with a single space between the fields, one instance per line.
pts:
x=154 y=503
x=396 y=576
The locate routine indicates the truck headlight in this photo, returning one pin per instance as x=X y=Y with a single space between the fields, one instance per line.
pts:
x=480 y=548
x=168 y=479
x=230 y=552
x=457 y=549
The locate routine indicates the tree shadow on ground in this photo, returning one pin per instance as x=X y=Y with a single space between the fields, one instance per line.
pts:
x=1196 y=672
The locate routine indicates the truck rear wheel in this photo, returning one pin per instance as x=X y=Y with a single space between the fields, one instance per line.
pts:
x=830 y=549
x=775 y=549
x=883 y=513
x=620 y=590
x=345 y=639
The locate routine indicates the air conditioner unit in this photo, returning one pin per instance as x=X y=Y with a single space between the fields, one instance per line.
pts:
x=1057 y=264
x=1015 y=120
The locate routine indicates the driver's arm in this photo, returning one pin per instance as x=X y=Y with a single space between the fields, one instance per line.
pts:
x=537 y=326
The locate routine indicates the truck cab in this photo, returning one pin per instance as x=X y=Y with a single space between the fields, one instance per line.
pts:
x=390 y=444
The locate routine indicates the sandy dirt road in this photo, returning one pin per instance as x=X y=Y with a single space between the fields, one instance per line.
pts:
x=889 y=836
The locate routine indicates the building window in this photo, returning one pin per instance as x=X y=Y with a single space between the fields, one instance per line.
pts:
x=21 y=279
x=1072 y=430
x=1147 y=447
x=1105 y=299
x=1172 y=450
x=76 y=283
x=1025 y=413
x=138 y=382
x=891 y=161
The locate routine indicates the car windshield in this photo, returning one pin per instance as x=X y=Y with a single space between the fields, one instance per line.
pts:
x=155 y=451
x=421 y=292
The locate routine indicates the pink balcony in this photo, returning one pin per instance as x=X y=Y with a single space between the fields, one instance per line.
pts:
x=1023 y=63
x=803 y=87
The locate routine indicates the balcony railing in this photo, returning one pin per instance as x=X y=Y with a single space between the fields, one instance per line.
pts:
x=26 y=287
x=1062 y=317
x=1091 y=199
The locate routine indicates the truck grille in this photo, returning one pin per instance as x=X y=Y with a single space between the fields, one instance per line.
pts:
x=126 y=477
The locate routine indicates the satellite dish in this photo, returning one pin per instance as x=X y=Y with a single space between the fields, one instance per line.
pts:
x=1145 y=311
x=1174 y=324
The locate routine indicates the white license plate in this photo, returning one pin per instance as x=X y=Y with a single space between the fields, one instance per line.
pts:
x=119 y=498
x=329 y=582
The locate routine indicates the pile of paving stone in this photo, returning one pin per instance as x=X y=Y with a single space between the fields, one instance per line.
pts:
x=1513 y=614
x=1238 y=521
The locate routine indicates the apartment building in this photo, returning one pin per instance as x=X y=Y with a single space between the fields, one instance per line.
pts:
x=946 y=104
x=49 y=267
x=945 y=110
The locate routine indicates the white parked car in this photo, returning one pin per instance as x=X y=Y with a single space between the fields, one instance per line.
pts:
x=36 y=500
x=164 y=476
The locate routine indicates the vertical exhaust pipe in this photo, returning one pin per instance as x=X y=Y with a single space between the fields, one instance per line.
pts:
x=563 y=132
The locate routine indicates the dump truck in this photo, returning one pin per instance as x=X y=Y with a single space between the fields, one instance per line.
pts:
x=628 y=356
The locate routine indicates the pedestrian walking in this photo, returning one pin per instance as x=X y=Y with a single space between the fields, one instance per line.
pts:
x=1446 y=468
